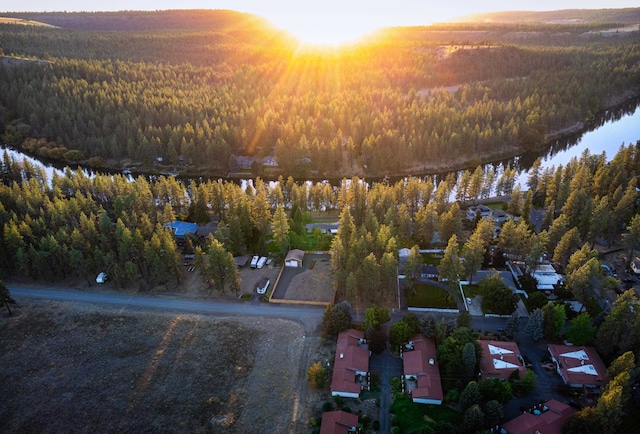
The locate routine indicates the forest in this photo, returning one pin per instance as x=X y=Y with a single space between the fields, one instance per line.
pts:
x=73 y=226
x=198 y=88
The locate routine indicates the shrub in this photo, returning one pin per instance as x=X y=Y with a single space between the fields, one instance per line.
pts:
x=317 y=375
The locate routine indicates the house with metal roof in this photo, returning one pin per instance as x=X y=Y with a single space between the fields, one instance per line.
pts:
x=181 y=229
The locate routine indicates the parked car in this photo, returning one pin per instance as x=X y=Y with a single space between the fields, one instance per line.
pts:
x=262 y=286
x=102 y=277
x=254 y=261
x=262 y=261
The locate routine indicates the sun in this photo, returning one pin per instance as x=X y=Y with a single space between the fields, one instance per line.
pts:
x=326 y=26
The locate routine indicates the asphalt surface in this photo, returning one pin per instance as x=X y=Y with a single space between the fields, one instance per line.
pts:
x=309 y=316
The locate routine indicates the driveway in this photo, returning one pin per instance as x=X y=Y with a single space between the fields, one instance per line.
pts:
x=387 y=366
x=549 y=383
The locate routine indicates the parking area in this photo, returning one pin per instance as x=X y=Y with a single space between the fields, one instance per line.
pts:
x=251 y=277
x=312 y=282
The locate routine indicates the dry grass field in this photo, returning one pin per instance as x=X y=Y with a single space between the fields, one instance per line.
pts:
x=84 y=368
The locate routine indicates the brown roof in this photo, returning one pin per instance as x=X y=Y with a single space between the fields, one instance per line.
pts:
x=549 y=421
x=418 y=363
x=337 y=422
x=295 y=254
x=579 y=365
x=350 y=359
x=500 y=359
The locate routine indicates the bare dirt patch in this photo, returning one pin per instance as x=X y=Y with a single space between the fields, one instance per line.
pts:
x=81 y=368
x=313 y=283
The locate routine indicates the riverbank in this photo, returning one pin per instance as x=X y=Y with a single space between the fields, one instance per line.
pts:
x=513 y=156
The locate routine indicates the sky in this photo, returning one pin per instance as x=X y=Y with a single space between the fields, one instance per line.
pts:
x=328 y=21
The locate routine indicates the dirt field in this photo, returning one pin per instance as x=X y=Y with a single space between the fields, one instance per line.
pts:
x=81 y=368
x=311 y=283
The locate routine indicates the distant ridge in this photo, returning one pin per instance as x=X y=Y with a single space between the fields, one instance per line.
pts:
x=565 y=16
x=191 y=19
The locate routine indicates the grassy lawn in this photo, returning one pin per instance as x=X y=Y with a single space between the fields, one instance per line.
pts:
x=495 y=205
x=471 y=290
x=430 y=296
x=408 y=415
x=431 y=258
x=315 y=240
x=441 y=412
x=412 y=417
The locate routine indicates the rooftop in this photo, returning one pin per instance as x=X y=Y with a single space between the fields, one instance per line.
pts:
x=500 y=359
x=420 y=361
x=547 y=418
x=579 y=365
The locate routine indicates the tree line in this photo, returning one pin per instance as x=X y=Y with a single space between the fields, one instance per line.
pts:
x=314 y=111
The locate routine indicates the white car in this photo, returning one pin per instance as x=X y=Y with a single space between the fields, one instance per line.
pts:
x=254 y=261
x=102 y=277
x=262 y=286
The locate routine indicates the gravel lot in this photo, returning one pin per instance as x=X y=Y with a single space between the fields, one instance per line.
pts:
x=84 y=368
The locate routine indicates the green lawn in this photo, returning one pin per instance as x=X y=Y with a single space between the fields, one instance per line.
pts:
x=315 y=240
x=412 y=417
x=471 y=290
x=431 y=258
x=430 y=296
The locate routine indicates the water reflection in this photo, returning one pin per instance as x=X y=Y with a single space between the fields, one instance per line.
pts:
x=605 y=133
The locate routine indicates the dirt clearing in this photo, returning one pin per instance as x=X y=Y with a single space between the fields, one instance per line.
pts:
x=81 y=368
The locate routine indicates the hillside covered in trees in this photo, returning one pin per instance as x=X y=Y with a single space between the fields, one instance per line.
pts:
x=198 y=88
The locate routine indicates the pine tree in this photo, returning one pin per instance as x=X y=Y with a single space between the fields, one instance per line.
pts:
x=534 y=325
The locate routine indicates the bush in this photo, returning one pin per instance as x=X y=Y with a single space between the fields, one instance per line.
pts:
x=327 y=406
x=317 y=375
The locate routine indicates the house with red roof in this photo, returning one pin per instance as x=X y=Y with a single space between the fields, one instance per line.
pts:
x=351 y=365
x=547 y=418
x=421 y=377
x=500 y=359
x=579 y=366
x=338 y=422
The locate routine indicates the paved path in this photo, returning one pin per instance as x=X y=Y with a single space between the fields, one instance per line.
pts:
x=387 y=367
x=309 y=316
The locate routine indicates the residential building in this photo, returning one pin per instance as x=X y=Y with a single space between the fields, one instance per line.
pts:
x=338 y=422
x=351 y=365
x=579 y=366
x=474 y=210
x=181 y=229
x=547 y=418
x=429 y=272
x=270 y=161
x=500 y=359
x=326 y=228
x=499 y=216
x=421 y=377
x=294 y=258
x=546 y=277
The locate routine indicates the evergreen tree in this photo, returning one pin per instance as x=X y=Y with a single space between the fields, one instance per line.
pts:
x=535 y=325
x=5 y=297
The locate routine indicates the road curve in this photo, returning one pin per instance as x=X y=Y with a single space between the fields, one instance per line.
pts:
x=309 y=316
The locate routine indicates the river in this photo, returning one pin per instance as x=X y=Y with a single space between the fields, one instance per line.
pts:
x=606 y=133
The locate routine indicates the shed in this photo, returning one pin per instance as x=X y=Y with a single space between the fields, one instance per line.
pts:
x=294 y=258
